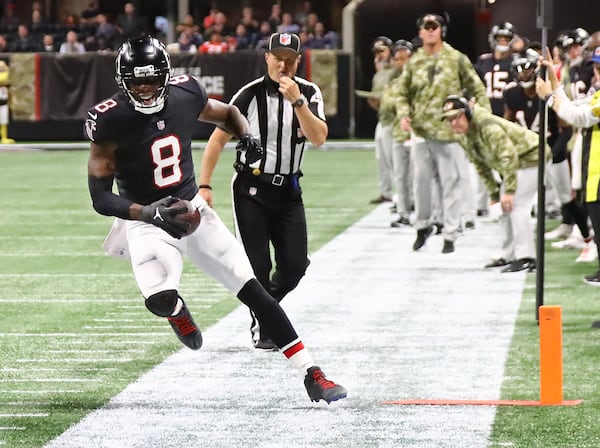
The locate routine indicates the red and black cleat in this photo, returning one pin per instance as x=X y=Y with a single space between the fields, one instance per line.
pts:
x=320 y=388
x=186 y=329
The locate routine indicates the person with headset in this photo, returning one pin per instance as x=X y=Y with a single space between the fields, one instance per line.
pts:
x=435 y=71
x=493 y=143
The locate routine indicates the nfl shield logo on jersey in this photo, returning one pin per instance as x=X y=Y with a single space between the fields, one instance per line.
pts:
x=160 y=125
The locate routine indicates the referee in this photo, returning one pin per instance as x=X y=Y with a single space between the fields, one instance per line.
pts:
x=284 y=112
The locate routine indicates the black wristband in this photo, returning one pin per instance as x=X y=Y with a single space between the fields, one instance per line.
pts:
x=208 y=187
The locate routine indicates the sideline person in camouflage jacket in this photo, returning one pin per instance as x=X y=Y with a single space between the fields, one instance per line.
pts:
x=494 y=144
x=432 y=73
x=401 y=146
x=382 y=49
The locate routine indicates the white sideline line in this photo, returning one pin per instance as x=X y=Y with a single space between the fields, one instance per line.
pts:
x=12 y=428
x=386 y=322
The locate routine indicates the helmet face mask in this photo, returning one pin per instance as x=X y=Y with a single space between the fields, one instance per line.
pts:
x=143 y=71
x=525 y=68
x=504 y=30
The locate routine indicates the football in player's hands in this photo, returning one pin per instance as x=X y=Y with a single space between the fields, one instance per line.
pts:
x=191 y=216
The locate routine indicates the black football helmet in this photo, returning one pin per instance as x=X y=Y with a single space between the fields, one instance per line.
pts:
x=143 y=59
x=504 y=29
x=525 y=66
x=578 y=36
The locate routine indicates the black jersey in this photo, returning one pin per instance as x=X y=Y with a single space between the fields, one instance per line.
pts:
x=496 y=74
x=153 y=158
x=526 y=110
x=580 y=80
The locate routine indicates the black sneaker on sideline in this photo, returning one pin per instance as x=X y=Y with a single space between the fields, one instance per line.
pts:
x=448 y=247
x=320 y=388
x=520 y=265
x=186 y=329
x=497 y=262
x=596 y=324
x=422 y=235
x=402 y=221
x=592 y=279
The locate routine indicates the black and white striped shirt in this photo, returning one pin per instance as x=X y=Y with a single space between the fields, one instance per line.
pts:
x=273 y=121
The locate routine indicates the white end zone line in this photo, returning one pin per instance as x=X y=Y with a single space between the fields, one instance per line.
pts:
x=386 y=322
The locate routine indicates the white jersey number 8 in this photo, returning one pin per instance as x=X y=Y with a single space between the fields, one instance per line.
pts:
x=166 y=153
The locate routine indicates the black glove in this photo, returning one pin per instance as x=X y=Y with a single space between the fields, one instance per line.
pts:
x=251 y=145
x=161 y=215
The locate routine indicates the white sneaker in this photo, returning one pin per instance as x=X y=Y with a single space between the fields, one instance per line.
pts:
x=561 y=232
x=588 y=254
x=573 y=242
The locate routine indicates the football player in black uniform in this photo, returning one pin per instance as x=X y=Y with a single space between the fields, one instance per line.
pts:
x=141 y=139
x=521 y=105
x=496 y=72
x=495 y=68
x=576 y=75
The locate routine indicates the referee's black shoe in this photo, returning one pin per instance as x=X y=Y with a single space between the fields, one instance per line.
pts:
x=422 y=235
x=521 y=264
x=320 y=388
x=186 y=329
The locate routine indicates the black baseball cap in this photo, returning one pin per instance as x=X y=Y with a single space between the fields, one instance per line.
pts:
x=380 y=43
x=284 y=41
x=453 y=106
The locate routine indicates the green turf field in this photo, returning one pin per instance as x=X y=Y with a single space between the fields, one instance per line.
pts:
x=74 y=331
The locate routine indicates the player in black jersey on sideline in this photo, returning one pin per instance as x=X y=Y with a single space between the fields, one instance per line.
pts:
x=495 y=71
x=521 y=105
x=141 y=139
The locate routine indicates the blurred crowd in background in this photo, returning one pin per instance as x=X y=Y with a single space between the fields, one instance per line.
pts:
x=92 y=29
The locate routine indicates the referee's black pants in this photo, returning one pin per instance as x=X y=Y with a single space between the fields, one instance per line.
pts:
x=267 y=214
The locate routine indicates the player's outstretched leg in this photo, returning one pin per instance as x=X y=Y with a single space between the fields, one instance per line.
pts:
x=274 y=320
x=168 y=304
x=320 y=388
